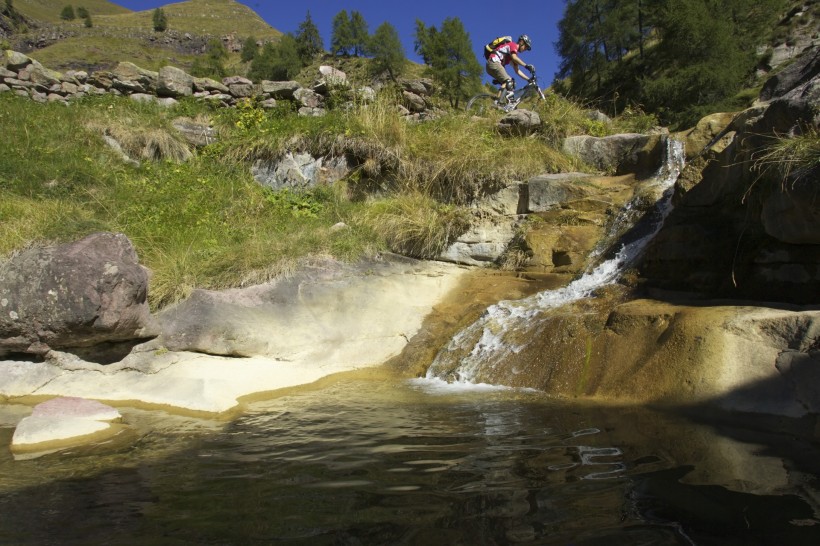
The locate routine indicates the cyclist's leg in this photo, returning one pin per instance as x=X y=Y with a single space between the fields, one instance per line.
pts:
x=499 y=73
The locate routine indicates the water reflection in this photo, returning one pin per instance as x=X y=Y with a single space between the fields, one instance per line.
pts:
x=363 y=462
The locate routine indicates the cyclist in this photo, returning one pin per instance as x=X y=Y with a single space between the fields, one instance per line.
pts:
x=503 y=55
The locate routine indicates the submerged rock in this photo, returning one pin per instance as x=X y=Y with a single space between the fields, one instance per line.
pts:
x=63 y=421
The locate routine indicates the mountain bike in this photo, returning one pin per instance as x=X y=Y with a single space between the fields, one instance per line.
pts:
x=484 y=101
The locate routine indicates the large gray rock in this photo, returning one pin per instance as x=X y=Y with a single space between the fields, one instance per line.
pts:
x=299 y=171
x=174 y=82
x=280 y=90
x=14 y=60
x=519 y=123
x=74 y=295
x=803 y=70
x=307 y=98
x=618 y=154
x=239 y=87
x=133 y=79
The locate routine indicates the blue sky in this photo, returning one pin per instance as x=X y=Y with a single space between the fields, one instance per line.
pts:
x=483 y=20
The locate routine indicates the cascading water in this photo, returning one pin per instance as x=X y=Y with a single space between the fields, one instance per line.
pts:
x=504 y=327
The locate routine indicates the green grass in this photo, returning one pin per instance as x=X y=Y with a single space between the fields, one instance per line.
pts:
x=105 y=51
x=49 y=10
x=205 y=222
x=789 y=159
x=121 y=35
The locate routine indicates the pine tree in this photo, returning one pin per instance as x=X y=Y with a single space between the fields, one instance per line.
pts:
x=341 y=41
x=212 y=64
x=308 y=40
x=249 y=49
x=387 y=51
x=449 y=57
x=68 y=13
x=277 y=61
x=160 y=20
x=359 y=33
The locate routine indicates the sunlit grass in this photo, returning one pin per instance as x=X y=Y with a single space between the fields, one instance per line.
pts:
x=791 y=158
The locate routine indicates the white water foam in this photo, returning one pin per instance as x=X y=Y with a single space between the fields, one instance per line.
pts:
x=491 y=335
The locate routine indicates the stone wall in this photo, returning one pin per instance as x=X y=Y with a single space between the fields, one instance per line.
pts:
x=26 y=77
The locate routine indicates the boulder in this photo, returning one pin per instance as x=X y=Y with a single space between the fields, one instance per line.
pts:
x=210 y=86
x=63 y=422
x=239 y=87
x=15 y=61
x=174 y=82
x=519 y=123
x=307 y=98
x=133 y=79
x=74 y=296
x=413 y=102
x=299 y=171
x=618 y=154
x=280 y=90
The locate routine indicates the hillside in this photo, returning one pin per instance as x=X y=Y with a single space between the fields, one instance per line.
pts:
x=118 y=34
x=49 y=10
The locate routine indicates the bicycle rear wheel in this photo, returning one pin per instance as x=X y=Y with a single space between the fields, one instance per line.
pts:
x=481 y=104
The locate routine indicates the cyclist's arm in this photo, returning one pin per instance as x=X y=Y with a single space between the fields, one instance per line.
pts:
x=517 y=64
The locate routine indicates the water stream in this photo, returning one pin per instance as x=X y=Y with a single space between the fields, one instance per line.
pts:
x=477 y=352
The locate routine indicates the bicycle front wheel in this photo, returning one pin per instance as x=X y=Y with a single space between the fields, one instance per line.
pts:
x=481 y=104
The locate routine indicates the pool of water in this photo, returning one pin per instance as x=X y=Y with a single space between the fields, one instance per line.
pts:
x=360 y=461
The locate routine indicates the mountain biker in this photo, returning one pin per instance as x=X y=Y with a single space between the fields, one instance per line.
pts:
x=503 y=55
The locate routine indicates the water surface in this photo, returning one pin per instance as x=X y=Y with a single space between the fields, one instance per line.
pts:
x=364 y=461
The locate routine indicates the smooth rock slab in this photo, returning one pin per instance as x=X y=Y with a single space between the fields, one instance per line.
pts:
x=63 y=419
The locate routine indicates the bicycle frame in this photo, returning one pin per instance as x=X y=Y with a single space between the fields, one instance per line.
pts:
x=529 y=90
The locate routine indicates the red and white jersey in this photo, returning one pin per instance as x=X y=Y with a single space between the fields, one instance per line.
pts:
x=503 y=53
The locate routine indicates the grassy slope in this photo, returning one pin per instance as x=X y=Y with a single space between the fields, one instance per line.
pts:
x=213 y=17
x=49 y=10
x=207 y=223
x=121 y=35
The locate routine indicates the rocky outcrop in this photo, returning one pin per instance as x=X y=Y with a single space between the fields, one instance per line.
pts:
x=742 y=227
x=25 y=76
x=77 y=296
x=739 y=358
x=217 y=347
x=618 y=154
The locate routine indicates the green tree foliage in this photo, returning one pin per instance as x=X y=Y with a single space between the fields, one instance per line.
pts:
x=68 y=13
x=387 y=51
x=212 y=63
x=249 y=49
x=676 y=57
x=278 y=61
x=87 y=23
x=308 y=40
x=359 y=33
x=341 y=41
x=449 y=57
x=83 y=13
x=160 y=20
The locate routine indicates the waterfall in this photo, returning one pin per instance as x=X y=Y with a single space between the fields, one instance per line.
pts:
x=503 y=328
